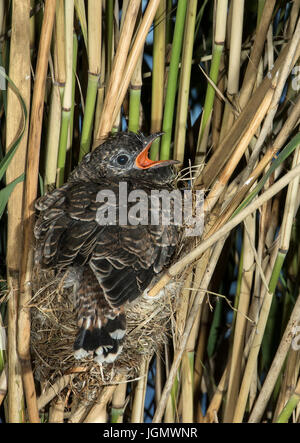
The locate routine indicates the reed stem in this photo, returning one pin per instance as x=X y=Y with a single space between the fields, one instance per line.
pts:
x=172 y=81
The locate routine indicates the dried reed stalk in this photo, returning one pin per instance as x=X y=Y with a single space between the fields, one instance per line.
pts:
x=54 y=390
x=234 y=63
x=185 y=335
x=256 y=52
x=116 y=76
x=137 y=414
x=58 y=85
x=249 y=176
x=198 y=251
x=240 y=126
x=134 y=54
x=56 y=411
x=98 y=413
x=283 y=246
x=67 y=96
x=236 y=359
x=135 y=118
x=228 y=170
x=32 y=168
x=276 y=366
x=216 y=401
x=19 y=71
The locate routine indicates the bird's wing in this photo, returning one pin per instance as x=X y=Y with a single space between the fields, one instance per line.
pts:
x=123 y=258
x=66 y=230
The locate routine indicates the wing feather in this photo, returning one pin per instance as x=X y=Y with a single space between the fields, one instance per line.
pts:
x=124 y=259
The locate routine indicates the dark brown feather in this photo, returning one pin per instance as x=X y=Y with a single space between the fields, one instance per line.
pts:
x=120 y=261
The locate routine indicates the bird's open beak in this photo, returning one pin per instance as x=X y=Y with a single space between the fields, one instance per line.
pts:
x=144 y=162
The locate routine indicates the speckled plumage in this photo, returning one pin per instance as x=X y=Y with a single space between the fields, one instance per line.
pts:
x=108 y=265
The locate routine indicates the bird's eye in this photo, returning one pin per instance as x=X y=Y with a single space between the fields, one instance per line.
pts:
x=122 y=159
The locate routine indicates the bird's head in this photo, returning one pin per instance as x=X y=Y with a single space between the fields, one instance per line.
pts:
x=125 y=156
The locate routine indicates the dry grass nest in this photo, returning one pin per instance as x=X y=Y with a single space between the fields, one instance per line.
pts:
x=149 y=327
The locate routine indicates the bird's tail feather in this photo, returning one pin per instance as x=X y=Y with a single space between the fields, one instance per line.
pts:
x=102 y=328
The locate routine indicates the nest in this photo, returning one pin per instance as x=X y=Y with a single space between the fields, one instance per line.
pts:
x=54 y=330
